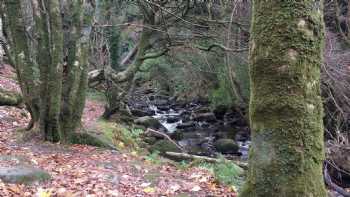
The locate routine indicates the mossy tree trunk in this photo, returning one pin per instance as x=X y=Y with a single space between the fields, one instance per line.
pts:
x=287 y=152
x=77 y=23
x=18 y=26
x=50 y=60
x=57 y=50
x=2 y=50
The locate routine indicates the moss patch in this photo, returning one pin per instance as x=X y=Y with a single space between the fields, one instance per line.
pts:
x=91 y=139
x=163 y=146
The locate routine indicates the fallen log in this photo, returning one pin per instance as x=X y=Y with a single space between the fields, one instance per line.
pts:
x=185 y=156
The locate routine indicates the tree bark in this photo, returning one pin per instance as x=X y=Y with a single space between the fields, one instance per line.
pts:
x=76 y=43
x=49 y=40
x=18 y=25
x=286 y=113
x=50 y=47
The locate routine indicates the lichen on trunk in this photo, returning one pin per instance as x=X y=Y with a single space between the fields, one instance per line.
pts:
x=286 y=113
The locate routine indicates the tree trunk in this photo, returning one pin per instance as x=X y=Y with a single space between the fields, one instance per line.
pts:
x=18 y=25
x=2 y=46
x=49 y=40
x=50 y=60
x=76 y=45
x=286 y=113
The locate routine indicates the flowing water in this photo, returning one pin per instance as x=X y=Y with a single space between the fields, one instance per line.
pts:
x=200 y=136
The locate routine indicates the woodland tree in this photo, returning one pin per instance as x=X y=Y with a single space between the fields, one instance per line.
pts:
x=286 y=155
x=49 y=42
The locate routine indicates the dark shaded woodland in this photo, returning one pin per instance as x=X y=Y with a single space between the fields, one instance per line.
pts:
x=251 y=96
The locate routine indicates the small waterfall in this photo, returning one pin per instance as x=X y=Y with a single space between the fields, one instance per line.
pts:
x=163 y=117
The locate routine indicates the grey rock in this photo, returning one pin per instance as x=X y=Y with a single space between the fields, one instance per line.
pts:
x=23 y=174
x=164 y=146
x=148 y=122
x=208 y=117
x=226 y=146
x=142 y=113
x=186 y=125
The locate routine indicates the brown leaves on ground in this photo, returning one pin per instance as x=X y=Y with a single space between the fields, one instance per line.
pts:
x=8 y=79
x=88 y=171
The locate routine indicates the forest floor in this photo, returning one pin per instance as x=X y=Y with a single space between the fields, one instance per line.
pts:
x=80 y=170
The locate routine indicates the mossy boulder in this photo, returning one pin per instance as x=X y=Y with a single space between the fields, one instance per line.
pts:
x=164 y=146
x=92 y=140
x=226 y=146
x=148 y=122
x=23 y=174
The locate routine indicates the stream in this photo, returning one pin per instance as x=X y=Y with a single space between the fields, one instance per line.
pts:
x=195 y=126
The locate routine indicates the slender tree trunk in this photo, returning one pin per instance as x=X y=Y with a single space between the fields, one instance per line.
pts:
x=2 y=48
x=286 y=113
x=50 y=48
x=76 y=42
x=19 y=28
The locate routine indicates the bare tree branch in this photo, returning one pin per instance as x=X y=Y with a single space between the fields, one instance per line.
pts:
x=220 y=46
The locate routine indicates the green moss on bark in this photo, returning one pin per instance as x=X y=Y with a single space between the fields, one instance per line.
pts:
x=41 y=40
x=22 y=53
x=287 y=153
x=75 y=71
x=50 y=47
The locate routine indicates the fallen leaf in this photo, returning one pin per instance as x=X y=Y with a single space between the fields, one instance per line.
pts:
x=149 y=190
x=145 y=184
x=196 y=189
x=43 y=193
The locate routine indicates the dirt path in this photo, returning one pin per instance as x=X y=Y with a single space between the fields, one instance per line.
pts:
x=88 y=171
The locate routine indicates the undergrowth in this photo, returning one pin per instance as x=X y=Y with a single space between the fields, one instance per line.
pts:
x=225 y=172
x=121 y=136
x=153 y=158
x=127 y=138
